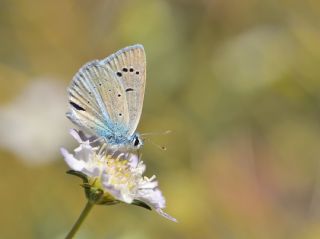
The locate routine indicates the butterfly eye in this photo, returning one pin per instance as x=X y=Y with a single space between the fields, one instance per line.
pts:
x=131 y=69
x=119 y=74
x=136 y=142
x=125 y=69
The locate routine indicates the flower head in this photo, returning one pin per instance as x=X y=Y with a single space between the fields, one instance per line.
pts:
x=112 y=176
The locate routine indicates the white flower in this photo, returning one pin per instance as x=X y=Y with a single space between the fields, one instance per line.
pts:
x=116 y=175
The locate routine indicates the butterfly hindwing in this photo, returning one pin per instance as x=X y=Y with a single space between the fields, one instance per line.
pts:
x=129 y=65
x=97 y=100
x=84 y=109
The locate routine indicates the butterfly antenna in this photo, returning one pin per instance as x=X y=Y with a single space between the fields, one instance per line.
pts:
x=156 y=133
x=162 y=147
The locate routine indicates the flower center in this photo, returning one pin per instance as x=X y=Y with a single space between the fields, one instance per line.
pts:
x=120 y=173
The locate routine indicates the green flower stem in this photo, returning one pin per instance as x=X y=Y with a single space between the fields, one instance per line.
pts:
x=80 y=220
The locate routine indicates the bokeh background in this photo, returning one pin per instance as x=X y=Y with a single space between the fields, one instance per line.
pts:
x=236 y=81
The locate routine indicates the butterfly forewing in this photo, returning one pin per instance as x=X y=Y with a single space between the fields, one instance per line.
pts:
x=129 y=65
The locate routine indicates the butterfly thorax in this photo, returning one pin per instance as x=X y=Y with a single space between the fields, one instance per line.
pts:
x=120 y=140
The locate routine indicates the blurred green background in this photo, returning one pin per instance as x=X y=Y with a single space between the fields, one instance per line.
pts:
x=236 y=81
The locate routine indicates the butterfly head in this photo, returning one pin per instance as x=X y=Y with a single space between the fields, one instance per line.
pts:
x=136 y=141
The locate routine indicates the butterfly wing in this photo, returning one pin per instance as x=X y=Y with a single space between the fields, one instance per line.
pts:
x=98 y=100
x=129 y=64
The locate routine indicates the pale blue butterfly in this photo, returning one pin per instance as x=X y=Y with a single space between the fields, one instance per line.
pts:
x=106 y=97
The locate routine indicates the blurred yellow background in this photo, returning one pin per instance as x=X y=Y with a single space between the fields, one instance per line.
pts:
x=236 y=81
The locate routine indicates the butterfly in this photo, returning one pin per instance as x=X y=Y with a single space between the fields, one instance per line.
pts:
x=106 y=97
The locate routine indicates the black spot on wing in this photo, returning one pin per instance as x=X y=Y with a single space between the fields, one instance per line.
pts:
x=76 y=106
x=129 y=89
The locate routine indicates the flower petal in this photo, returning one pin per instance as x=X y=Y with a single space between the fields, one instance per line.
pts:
x=133 y=160
x=92 y=171
x=74 y=133
x=152 y=197
x=120 y=193
x=166 y=215
x=84 y=152
x=72 y=162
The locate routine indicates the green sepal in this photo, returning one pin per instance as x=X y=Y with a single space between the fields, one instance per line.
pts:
x=141 y=204
x=93 y=194
x=78 y=174
x=109 y=203
x=85 y=185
